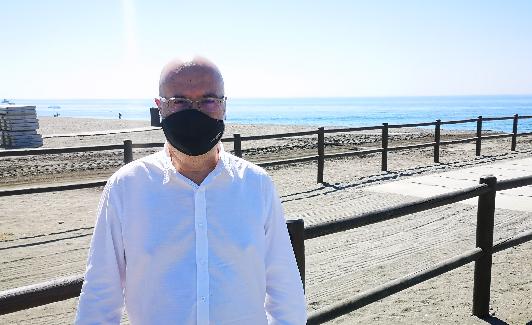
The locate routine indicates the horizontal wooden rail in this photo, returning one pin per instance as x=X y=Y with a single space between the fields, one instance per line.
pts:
x=442 y=143
x=40 y=294
x=392 y=287
x=497 y=136
x=411 y=146
x=278 y=135
x=513 y=183
x=97 y=133
x=352 y=153
x=380 y=215
x=147 y=145
x=47 y=151
x=470 y=120
x=498 y=118
x=409 y=125
x=512 y=241
x=287 y=161
x=227 y=139
x=487 y=137
x=55 y=188
x=360 y=128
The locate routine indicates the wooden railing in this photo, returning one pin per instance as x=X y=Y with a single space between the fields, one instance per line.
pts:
x=482 y=254
x=237 y=140
x=70 y=287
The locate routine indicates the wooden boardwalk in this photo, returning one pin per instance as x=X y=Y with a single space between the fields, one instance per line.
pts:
x=519 y=199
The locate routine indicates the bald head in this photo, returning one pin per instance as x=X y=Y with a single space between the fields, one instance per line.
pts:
x=192 y=79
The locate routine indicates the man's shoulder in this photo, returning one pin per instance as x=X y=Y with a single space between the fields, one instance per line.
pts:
x=243 y=168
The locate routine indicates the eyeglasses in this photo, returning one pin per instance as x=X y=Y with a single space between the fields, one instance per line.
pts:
x=211 y=106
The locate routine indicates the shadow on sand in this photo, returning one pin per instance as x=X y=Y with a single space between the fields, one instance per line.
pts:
x=494 y=320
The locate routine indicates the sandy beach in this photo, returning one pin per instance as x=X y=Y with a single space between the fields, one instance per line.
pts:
x=45 y=236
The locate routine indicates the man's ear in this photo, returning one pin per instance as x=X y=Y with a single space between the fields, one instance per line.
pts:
x=158 y=103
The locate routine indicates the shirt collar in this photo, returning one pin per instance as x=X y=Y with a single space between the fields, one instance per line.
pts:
x=222 y=166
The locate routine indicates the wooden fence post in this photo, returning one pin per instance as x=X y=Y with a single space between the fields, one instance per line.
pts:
x=384 y=166
x=128 y=151
x=237 y=145
x=514 y=132
x=296 y=230
x=479 y=135
x=321 y=153
x=485 y=221
x=437 y=141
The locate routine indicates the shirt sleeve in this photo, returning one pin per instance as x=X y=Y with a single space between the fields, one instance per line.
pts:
x=101 y=299
x=285 y=300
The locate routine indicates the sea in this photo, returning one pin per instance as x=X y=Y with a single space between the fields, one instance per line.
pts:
x=327 y=112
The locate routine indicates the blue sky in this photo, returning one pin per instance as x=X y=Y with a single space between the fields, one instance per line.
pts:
x=115 y=49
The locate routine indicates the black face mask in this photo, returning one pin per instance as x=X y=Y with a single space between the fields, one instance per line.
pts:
x=192 y=132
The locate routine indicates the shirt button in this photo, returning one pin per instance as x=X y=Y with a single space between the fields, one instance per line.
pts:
x=203 y=298
x=200 y=224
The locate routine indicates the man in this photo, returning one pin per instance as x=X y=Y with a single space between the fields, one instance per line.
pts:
x=191 y=234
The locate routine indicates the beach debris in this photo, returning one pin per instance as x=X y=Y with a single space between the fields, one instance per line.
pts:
x=18 y=127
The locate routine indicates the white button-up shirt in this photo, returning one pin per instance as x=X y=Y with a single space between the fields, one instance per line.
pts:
x=180 y=253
